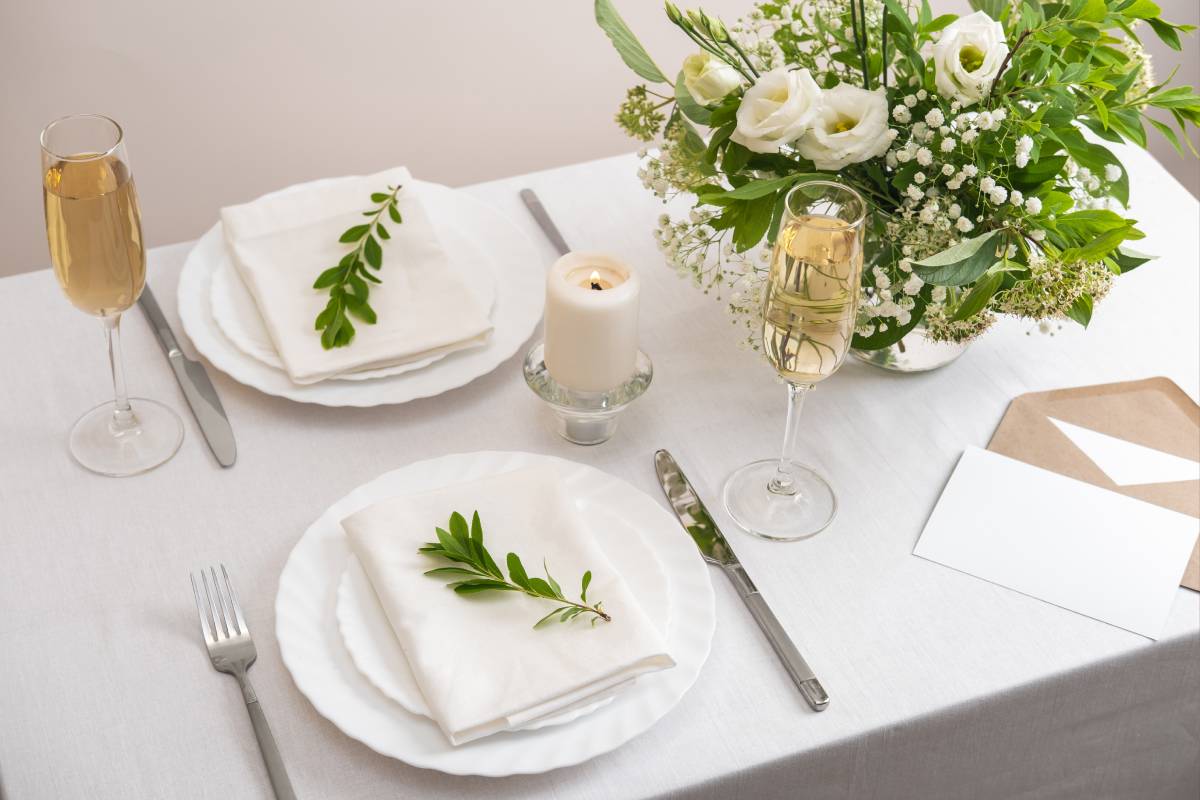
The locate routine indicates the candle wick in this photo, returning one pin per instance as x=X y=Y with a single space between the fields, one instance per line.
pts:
x=596 y=286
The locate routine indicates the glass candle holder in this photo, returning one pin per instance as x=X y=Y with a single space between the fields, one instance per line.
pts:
x=585 y=418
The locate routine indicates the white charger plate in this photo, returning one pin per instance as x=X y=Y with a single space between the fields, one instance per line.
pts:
x=312 y=649
x=377 y=653
x=520 y=295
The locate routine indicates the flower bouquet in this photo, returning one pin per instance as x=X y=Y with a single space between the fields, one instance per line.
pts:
x=978 y=140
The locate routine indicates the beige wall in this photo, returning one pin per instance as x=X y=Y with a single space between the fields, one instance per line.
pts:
x=224 y=100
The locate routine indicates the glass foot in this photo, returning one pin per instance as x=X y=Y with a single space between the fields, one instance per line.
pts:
x=775 y=516
x=119 y=448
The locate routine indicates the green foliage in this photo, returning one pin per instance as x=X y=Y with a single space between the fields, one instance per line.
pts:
x=629 y=48
x=1071 y=65
x=477 y=571
x=349 y=280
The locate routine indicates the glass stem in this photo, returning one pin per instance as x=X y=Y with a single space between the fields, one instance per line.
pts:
x=784 y=481
x=123 y=420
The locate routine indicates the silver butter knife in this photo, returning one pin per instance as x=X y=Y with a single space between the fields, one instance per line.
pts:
x=198 y=390
x=534 y=204
x=700 y=525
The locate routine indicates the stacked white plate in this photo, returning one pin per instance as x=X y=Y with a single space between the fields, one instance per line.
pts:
x=340 y=650
x=497 y=260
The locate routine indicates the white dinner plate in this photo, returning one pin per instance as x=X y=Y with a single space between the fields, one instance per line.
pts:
x=519 y=296
x=377 y=653
x=313 y=651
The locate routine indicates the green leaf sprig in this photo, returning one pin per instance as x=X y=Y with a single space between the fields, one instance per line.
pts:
x=477 y=572
x=349 y=281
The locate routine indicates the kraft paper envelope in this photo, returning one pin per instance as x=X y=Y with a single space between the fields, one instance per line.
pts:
x=1137 y=438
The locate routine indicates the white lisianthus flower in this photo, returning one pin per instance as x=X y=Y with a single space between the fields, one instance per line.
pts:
x=851 y=127
x=968 y=57
x=777 y=110
x=1112 y=172
x=708 y=79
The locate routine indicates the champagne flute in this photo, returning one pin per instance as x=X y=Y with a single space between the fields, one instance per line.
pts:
x=94 y=229
x=808 y=323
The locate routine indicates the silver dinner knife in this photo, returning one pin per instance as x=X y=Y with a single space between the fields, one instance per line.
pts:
x=708 y=537
x=198 y=390
x=534 y=204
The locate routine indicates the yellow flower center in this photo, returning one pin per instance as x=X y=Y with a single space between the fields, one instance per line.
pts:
x=843 y=124
x=971 y=57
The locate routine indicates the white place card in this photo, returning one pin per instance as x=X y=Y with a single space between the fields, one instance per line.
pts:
x=1064 y=541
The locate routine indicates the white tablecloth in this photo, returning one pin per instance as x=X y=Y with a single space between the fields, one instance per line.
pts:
x=943 y=686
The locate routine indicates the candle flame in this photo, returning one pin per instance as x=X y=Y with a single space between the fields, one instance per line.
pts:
x=595 y=276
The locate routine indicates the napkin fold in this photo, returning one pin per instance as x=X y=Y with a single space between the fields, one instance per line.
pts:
x=477 y=659
x=280 y=243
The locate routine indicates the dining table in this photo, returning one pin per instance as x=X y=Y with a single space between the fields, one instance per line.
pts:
x=942 y=685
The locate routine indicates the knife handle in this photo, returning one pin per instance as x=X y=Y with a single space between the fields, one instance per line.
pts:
x=799 y=670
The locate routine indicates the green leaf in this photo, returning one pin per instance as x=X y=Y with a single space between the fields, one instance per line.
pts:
x=1037 y=172
x=477 y=531
x=1129 y=260
x=1093 y=11
x=628 y=47
x=1141 y=9
x=480 y=585
x=450 y=543
x=449 y=571
x=549 y=617
x=373 y=252
x=687 y=104
x=516 y=571
x=958 y=265
x=1166 y=32
x=571 y=614
x=382 y=231
x=541 y=587
x=550 y=579
x=587 y=579
x=378 y=197
x=355 y=233
x=328 y=278
x=761 y=188
x=333 y=326
x=977 y=299
x=326 y=316
x=1100 y=246
x=1081 y=310
x=394 y=213
x=901 y=17
x=361 y=309
x=1167 y=132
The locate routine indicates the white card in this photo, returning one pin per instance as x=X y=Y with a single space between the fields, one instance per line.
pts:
x=1064 y=541
x=1126 y=463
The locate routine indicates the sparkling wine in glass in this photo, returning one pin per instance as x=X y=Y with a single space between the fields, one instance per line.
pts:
x=808 y=324
x=94 y=228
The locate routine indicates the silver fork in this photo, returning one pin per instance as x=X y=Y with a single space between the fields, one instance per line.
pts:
x=232 y=651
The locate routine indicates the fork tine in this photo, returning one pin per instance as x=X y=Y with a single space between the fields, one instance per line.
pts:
x=205 y=625
x=215 y=608
x=238 y=620
x=222 y=603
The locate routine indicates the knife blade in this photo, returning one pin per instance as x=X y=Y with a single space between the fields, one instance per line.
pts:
x=699 y=524
x=198 y=390
x=534 y=204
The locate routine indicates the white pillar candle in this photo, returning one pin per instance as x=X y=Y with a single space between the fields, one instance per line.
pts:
x=591 y=321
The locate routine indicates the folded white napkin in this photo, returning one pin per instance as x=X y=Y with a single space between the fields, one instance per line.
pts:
x=480 y=664
x=280 y=244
